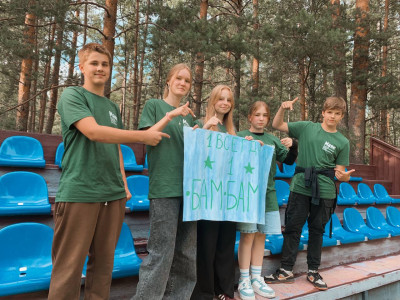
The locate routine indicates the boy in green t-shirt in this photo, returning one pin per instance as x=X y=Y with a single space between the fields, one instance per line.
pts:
x=323 y=154
x=90 y=202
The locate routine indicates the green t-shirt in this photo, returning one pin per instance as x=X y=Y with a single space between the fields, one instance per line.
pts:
x=280 y=153
x=319 y=149
x=90 y=170
x=166 y=159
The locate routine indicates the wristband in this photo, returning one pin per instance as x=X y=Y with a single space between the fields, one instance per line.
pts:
x=168 y=116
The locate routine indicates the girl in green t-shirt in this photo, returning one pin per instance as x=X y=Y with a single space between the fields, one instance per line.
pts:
x=216 y=239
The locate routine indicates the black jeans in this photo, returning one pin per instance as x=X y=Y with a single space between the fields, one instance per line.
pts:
x=299 y=210
x=215 y=259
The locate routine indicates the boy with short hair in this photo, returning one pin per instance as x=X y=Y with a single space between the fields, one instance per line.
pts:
x=323 y=154
x=90 y=202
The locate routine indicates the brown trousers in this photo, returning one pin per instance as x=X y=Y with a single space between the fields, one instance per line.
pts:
x=83 y=229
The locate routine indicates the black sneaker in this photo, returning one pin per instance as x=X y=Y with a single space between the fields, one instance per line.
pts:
x=316 y=279
x=280 y=276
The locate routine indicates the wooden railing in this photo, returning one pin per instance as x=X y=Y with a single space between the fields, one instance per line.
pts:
x=386 y=159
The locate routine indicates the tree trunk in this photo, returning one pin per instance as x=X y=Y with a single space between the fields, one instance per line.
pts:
x=32 y=115
x=46 y=77
x=135 y=113
x=383 y=130
x=359 y=83
x=85 y=22
x=255 y=69
x=302 y=97
x=109 y=32
x=71 y=63
x=55 y=78
x=199 y=68
x=26 y=72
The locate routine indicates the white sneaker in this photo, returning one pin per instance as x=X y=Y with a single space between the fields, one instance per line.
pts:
x=245 y=290
x=261 y=288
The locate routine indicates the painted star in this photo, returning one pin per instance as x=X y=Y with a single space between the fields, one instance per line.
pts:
x=208 y=163
x=249 y=169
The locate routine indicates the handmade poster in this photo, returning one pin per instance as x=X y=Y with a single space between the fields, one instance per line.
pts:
x=225 y=177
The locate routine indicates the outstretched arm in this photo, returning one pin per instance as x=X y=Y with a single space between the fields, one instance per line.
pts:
x=278 y=122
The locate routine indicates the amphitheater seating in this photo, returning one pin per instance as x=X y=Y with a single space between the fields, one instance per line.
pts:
x=278 y=173
x=237 y=243
x=382 y=196
x=327 y=241
x=146 y=164
x=130 y=163
x=354 y=222
x=25 y=258
x=138 y=185
x=59 y=154
x=282 y=191
x=365 y=195
x=274 y=243
x=376 y=220
x=393 y=216
x=347 y=195
x=288 y=171
x=354 y=178
x=22 y=151
x=344 y=236
x=23 y=193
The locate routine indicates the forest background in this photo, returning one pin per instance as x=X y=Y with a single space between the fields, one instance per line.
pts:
x=265 y=50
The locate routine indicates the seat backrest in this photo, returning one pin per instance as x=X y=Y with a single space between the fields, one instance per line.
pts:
x=24 y=244
x=393 y=216
x=346 y=190
x=125 y=241
x=146 y=164
x=282 y=190
x=21 y=146
x=34 y=186
x=138 y=184
x=375 y=218
x=380 y=191
x=289 y=169
x=128 y=155
x=364 y=191
x=353 y=219
x=59 y=154
x=335 y=224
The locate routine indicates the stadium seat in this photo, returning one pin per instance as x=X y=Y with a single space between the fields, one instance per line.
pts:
x=282 y=191
x=146 y=165
x=22 y=151
x=278 y=172
x=347 y=195
x=23 y=193
x=365 y=195
x=25 y=258
x=393 y=216
x=376 y=220
x=130 y=163
x=327 y=241
x=138 y=185
x=288 y=170
x=382 y=195
x=237 y=243
x=344 y=236
x=59 y=154
x=274 y=243
x=354 y=222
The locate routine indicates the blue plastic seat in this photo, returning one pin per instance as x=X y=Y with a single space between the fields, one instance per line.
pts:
x=274 y=243
x=278 y=172
x=237 y=240
x=365 y=194
x=25 y=258
x=326 y=242
x=59 y=154
x=23 y=193
x=382 y=196
x=393 y=216
x=347 y=195
x=376 y=220
x=354 y=222
x=344 y=236
x=282 y=191
x=130 y=163
x=22 y=151
x=146 y=164
x=288 y=170
x=138 y=185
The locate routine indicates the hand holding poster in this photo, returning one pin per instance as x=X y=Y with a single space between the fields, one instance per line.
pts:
x=225 y=177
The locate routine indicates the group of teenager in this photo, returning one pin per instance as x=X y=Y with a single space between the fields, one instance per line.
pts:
x=186 y=260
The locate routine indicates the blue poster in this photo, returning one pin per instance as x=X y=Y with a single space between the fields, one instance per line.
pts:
x=225 y=177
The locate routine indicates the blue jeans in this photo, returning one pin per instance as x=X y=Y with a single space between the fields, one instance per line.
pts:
x=169 y=271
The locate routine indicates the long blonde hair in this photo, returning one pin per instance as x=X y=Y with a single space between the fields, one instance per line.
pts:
x=210 y=112
x=174 y=70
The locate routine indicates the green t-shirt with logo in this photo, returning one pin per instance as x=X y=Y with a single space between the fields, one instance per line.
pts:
x=319 y=149
x=166 y=159
x=90 y=170
x=280 y=153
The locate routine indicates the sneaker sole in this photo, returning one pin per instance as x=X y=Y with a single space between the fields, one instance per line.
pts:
x=269 y=296
x=291 y=280
x=318 y=287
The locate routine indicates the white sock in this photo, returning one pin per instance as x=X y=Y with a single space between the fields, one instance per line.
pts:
x=244 y=274
x=255 y=271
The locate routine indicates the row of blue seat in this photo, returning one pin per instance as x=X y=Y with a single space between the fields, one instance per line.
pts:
x=33 y=198
x=347 y=195
x=25 y=151
x=25 y=257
